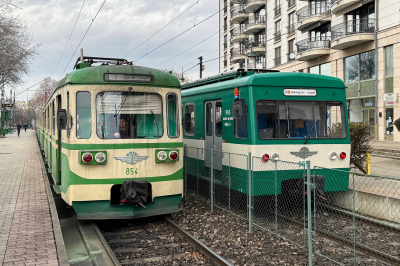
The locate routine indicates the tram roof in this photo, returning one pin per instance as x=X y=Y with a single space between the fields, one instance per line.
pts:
x=279 y=79
x=94 y=75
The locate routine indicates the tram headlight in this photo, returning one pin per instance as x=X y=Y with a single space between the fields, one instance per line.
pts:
x=100 y=157
x=342 y=155
x=87 y=157
x=162 y=155
x=173 y=155
x=275 y=157
x=333 y=155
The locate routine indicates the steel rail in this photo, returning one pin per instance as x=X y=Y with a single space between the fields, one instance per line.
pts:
x=215 y=257
x=106 y=247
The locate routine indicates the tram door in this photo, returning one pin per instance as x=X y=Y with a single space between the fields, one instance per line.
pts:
x=59 y=144
x=213 y=132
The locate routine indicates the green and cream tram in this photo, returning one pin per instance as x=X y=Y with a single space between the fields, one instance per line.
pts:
x=112 y=140
x=287 y=116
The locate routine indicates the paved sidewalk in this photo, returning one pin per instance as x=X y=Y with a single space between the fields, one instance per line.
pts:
x=26 y=228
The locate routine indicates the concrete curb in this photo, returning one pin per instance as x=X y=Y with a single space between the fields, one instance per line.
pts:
x=60 y=246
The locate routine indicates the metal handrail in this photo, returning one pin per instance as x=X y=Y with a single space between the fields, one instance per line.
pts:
x=319 y=8
x=278 y=10
x=334 y=1
x=291 y=28
x=236 y=32
x=249 y=1
x=364 y=25
x=256 y=20
x=312 y=43
x=277 y=36
x=237 y=52
x=238 y=10
x=291 y=3
x=277 y=61
x=254 y=44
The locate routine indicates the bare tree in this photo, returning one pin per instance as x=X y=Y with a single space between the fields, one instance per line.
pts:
x=17 y=46
x=178 y=75
x=42 y=95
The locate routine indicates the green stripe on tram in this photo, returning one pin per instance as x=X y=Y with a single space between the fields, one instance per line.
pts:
x=116 y=146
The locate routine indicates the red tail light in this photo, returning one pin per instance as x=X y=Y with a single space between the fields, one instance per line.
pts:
x=342 y=155
x=87 y=157
x=173 y=155
x=265 y=157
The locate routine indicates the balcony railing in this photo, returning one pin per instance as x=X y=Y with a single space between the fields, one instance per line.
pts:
x=225 y=27
x=237 y=52
x=238 y=10
x=225 y=10
x=236 y=32
x=277 y=36
x=319 y=8
x=254 y=44
x=256 y=20
x=291 y=28
x=225 y=63
x=277 y=61
x=312 y=43
x=333 y=1
x=225 y=45
x=278 y=10
x=366 y=25
x=291 y=3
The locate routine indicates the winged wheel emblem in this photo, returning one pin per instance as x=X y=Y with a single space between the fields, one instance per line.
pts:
x=131 y=158
x=303 y=153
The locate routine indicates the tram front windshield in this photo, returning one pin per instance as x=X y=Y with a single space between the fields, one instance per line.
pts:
x=129 y=115
x=300 y=119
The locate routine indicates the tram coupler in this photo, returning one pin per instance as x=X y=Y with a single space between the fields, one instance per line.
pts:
x=317 y=185
x=132 y=192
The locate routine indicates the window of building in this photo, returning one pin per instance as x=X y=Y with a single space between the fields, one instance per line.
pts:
x=292 y=23
x=324 y=69
x=291 y=55
x=173 y=115
x=277 y=56
x=84 y=115
x=361 y=19
x=259 y=15
x=225 y=24
x=277 y=30
x=360 y=67
x=321 y=33
x=389 y=69
x=189 y=108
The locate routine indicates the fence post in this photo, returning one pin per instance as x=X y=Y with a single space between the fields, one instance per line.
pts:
x=368 y=163
x=309 y=232
x=354 y=222
x=212 y=179
x=276 y=196
x=249 y=192
x=185 y=169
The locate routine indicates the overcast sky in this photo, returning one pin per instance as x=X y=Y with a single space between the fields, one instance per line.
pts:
x=120 y=27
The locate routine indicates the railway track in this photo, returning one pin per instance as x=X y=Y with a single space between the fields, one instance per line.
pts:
x=155 y=241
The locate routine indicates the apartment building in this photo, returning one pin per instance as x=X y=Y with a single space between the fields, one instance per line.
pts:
x=357 y=41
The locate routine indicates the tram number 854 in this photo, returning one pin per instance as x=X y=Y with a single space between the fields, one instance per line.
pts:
x=131 y=171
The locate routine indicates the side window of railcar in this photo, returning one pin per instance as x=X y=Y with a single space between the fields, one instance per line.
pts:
x=267 y=120
x=173 y=115
x=68 y=119
x=241 y=127
x=129 y=115
x=53 y=127
x=189 y=108
x=83 y=115
x=218 y=119
x=48 y=119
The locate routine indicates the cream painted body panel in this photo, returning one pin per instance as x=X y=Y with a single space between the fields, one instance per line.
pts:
x=102 y=192
x=320 y=159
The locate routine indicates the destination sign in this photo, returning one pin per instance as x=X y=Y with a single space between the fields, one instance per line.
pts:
x=7 y=105
x=134 y=78
x=300 y=92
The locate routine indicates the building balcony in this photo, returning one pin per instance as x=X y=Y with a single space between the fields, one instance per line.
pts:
x=238 y=35
x=253 y=5
x=311 y=48
x=277 y=61
x=278 y=10
x=236 y=1
x=238 y=14
x=257 y=46
x=312 y=14
x=351 y=33
x=291 y=29
x=255 y=25
x=238 y=56
x=338 y=5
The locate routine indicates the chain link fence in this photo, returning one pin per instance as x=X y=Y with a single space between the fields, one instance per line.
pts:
x=352 y=216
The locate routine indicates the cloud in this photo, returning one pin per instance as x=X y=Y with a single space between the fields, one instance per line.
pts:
x=120 y=27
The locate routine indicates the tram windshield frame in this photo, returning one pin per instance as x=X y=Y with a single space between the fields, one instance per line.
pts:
x=129 y=115
x=291 y=119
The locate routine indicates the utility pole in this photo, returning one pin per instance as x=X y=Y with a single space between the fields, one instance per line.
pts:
x=2 y=113
x=201 y=66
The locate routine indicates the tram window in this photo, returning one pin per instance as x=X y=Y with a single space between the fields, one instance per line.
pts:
x=304 y=120
x=53 y=120
x=267 y=119
x=334 y=120
x=218 y=119
x=69 y=118
x=209 y=119
x=241 y=126
x=129 y=115
x=172 y=115
x=83 y=115
x=189 y=108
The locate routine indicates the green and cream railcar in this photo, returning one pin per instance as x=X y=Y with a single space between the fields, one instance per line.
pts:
x=287 y=116
x=121 y=125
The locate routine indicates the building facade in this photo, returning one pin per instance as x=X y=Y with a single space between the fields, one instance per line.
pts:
x=357 y=41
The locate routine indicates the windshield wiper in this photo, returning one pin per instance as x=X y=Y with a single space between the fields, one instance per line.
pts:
x=120 y=106
x=154 y=117
x=308 y=135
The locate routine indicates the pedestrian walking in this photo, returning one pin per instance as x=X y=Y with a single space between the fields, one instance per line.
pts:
x=19 y=128
x=25 y=126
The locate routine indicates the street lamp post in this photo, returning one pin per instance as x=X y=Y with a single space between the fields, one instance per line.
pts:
x=250 y=56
